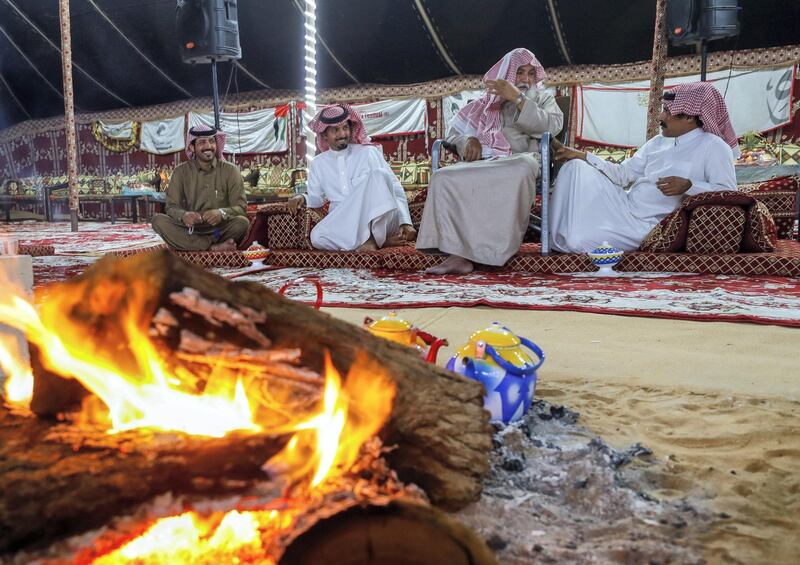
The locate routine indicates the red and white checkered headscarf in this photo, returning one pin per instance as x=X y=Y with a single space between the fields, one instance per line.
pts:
x=204 y=131
x=335 y=115
x=703 y=100
x=483 y=115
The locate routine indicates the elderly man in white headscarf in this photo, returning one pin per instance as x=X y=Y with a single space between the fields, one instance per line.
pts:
x=368 y=206
x=478 y=211
x=598 y=202
x=206 y=205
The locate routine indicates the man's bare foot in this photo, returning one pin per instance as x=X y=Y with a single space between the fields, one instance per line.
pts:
x=227 y=245
x=368 y=245
x=395 y=240
x=452 y=265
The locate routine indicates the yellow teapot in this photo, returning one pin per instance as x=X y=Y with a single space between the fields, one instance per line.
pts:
x=495 y=357
x=396 y=329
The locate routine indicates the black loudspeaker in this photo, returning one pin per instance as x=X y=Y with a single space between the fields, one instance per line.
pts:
x=719 y=18
x=208 y=30
x=682 y=21
x=692 y=21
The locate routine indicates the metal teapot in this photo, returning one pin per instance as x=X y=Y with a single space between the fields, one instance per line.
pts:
x=496 y=358
x=396 y=329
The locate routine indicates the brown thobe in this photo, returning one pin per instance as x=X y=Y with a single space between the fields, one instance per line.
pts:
x=196 y=188
x=480 y=210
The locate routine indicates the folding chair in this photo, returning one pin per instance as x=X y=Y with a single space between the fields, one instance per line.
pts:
x=539 y=224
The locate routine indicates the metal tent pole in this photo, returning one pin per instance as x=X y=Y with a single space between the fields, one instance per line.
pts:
x=69 y=113
x=657 y=69
x=215 y=89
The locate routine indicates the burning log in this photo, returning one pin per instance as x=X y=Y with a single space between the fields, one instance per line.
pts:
x=60 y=478
x=395 y=534
x=437 y=421
x=365 y=515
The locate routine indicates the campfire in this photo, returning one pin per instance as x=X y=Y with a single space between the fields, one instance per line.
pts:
x=149 y=376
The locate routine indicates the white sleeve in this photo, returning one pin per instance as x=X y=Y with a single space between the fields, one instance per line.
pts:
x=397 y=190
x=718 y=171
x=625 y=173
x=315 y=195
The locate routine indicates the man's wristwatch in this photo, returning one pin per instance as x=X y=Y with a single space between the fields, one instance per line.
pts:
x=223 y=213
x=520 y=98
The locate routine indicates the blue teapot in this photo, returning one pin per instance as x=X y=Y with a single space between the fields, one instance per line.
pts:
x=496 y=358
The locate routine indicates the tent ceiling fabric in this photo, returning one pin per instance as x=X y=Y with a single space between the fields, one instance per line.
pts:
x=125 y=52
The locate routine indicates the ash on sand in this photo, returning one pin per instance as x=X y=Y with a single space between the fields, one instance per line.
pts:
x=558 y=493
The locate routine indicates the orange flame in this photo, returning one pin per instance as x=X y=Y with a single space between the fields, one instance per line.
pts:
x=330 y=441
x=127 y=374
x=139 y=398
x=18 y=386
x=327 y=444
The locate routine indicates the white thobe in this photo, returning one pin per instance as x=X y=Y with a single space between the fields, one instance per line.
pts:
x=480 y=210
x=365 y=198
x=589 y=205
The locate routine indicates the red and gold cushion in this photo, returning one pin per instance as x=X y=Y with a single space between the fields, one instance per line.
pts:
x=779 y=195
x=715 y=229
x=709 y=232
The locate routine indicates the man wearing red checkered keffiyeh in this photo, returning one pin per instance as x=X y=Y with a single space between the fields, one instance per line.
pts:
x=368 y=206
x=497 y=137
x=597 y=202
x=206 y=204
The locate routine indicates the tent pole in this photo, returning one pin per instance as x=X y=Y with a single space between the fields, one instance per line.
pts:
x=69 y=113
x=311 y=75
x=215 y=90
x=657 y=69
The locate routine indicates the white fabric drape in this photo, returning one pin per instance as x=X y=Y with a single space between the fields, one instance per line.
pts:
x=163 y=136
x=248 y=132
x=121 y=130
x=757 y=100
x=393 y=117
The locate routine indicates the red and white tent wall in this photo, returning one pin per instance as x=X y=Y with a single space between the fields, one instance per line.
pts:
x=272 y=120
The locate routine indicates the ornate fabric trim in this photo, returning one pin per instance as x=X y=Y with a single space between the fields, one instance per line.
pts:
x=113 y=144
x=260 y=99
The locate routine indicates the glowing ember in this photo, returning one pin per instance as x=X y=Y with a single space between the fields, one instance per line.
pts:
x=189 y=538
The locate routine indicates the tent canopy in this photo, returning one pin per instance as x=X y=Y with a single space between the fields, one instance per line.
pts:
x=125 y=51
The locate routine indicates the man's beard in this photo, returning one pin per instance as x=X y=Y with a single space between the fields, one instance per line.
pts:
x=523 y=87
x=340 y=144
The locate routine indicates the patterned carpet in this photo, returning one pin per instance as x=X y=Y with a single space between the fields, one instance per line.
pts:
x=762 y=299
x=720 y=298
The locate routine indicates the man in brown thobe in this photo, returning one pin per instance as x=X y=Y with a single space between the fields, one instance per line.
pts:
x=477 y=211
x=206 y=205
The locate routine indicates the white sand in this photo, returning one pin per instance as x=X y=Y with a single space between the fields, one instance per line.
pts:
x=719 y=404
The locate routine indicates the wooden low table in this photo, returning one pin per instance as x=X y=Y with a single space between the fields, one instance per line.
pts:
x=8 y=203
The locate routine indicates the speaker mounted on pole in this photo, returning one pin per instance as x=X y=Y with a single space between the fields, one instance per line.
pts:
x=208 y=30
x=691 y=21
x=696 y=22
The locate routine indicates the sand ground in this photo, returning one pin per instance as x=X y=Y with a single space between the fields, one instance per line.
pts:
x=718 y=403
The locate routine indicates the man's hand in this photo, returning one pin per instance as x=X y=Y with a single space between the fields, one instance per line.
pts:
x=503 y=89
x=408 y=233
x=191 y=218
x=472 y=151
x=293 y=204
x=673 y=186
x=212 y=217
x=563 y=153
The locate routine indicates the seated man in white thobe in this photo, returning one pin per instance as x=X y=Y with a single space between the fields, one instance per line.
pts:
x=478 y=210
x=368 y=206
x=694 y=153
